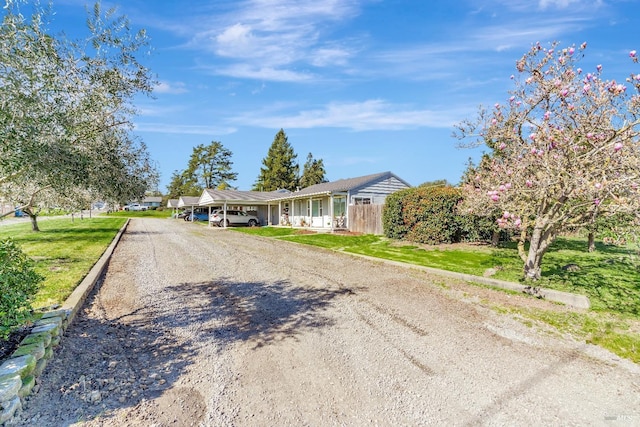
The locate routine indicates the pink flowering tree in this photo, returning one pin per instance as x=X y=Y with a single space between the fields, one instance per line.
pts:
x=564 y=149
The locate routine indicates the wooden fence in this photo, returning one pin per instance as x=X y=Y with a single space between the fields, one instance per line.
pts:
x=366 y=219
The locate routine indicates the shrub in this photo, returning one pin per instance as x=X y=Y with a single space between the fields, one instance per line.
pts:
x=18 y=285
x=423 y=215
x=392 y=220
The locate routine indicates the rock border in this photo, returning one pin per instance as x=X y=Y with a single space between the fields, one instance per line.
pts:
x=20 y=372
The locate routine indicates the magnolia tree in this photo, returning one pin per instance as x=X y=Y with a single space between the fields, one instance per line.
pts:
x=564 y=149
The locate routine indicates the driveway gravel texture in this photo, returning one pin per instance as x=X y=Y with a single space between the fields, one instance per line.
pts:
x=197 y=326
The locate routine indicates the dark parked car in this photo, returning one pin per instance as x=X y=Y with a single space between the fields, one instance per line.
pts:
x=196 y=216
x=233 y=217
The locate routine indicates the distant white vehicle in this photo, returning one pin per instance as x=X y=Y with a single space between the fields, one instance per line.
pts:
x=135 y=207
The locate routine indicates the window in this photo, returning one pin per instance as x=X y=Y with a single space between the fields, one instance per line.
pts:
x=339 y=206
x=362 y=200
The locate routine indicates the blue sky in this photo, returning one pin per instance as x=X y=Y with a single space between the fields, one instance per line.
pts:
x=366 y=85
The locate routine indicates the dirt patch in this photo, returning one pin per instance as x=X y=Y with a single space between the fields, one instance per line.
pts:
x=9 y=345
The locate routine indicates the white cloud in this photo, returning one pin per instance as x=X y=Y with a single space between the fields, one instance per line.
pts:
x=273 y=38
x=359 y=116
x=171 y=88
x=183 y=129
x=248 y=71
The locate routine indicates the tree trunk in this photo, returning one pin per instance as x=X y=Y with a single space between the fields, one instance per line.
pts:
x=592 y=242
x=537 y=248
x=495 y=238
x=34 y=222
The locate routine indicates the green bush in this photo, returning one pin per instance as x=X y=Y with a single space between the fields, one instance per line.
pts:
x=477 y=228
x=423 y=215
x=18 y=285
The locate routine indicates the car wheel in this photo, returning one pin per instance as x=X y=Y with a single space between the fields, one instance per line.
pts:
x=224 y=223
x=195 y=218
x=252 y=223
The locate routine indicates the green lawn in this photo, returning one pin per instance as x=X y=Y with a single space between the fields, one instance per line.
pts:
x=63 y=251
x=164 y=213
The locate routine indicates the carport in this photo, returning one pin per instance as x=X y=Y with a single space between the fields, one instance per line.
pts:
x=256 y=201
x=188 y=202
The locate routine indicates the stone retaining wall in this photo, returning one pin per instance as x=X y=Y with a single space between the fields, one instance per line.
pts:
x=19 y=374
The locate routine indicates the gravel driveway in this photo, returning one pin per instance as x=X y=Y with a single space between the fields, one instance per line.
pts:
x=200 y=326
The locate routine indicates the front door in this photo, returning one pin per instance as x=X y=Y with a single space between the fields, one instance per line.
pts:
x=317 y=212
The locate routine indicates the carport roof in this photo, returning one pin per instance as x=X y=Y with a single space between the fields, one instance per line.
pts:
x=188 y=201
x=212 y=197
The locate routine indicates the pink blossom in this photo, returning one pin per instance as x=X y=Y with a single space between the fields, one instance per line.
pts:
x=502 y=188
x=589 y=135
x=534 y=151
x=506 y=215
x=512 y=77
x=532 y=136
x=596 y=202
x=598 y=185
x=502 y=146
x=571 y=107
x=571 y=50
x=517 y=222
x=561 y=60
x=586 y=88
x=579 y=70
x=583 y=45
x=494 y=121
x=632 y=54
x=529 y=183
x=547 y=115
x=599 y=67
x=513 y=98
x=564 y=92
x=617 y=146
x=495 y=197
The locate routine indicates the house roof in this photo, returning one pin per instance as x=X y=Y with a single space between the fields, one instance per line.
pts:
x=172 y=203
x=151 y=199
x=341 y=185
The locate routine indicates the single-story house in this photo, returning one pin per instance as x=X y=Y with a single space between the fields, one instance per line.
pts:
x=319 y=206
x=152 y=201
x=325 y=205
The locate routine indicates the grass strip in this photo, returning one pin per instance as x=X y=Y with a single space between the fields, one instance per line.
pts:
x=64 y=250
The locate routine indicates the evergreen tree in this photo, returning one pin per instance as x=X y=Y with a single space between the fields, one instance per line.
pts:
x=280 y=170
x=210 y=166
x=313 y=172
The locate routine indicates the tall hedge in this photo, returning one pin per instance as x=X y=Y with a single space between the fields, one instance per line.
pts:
x=18 y=285
x=423 y=215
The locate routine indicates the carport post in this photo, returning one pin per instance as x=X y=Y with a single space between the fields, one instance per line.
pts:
x=209 y=217
x=193 y=208
x=224 y=215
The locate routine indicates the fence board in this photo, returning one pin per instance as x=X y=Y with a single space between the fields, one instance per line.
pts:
x=366 y=219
